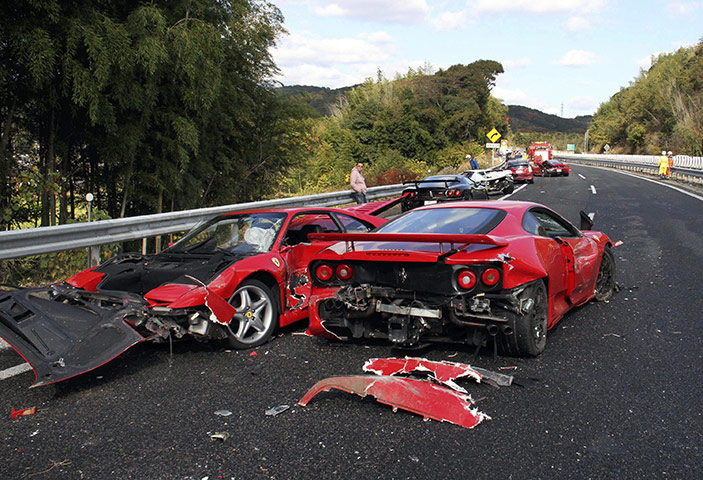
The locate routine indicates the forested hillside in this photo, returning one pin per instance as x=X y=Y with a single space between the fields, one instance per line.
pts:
x=662 y=109
x=402 y=128
x=525 y=119
x=150 y=106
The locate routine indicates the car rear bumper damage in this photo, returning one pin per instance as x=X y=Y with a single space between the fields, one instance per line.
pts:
x=410 y=319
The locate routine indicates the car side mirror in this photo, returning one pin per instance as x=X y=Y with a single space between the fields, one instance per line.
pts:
x=586 y=222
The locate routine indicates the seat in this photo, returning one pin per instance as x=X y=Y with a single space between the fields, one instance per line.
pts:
x=308 y=229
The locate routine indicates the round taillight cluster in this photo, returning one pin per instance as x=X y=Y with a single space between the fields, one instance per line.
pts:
x=490 y=276
x=466 y=279
x=454 y=193
x=344 y=272
x=326 y=272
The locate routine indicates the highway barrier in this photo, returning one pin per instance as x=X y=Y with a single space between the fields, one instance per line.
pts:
x=36 y=241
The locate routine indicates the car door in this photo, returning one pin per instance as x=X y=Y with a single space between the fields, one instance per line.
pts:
x=577 y=253
x=296 y=251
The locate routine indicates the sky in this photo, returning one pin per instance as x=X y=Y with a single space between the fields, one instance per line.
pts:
x=563 y=57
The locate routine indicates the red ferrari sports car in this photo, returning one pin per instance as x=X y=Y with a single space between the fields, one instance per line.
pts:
x=521 y=170
x=236 y=276
x=461 y=272
x=555 y=168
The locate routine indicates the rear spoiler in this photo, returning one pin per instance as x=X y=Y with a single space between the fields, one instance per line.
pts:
x=410 y=237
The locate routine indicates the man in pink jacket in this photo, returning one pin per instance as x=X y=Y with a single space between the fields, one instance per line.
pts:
x=358 y=185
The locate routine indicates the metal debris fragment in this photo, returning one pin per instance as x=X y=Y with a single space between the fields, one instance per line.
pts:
x=272 y=412
x=223 y=413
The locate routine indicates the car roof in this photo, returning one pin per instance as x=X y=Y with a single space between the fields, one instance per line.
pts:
x=507 y=205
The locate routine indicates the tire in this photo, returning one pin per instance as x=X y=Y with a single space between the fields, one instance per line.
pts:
x=605 y=284
x=509 y=189
x=256 y=317
x=528 y=335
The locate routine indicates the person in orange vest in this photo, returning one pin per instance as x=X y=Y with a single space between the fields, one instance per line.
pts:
x=663 y=164
x=670 y=157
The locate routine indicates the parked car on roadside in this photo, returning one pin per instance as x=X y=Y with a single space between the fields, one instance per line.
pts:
x=441 y=188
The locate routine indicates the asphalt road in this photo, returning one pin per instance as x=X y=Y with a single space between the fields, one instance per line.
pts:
x=617 y=393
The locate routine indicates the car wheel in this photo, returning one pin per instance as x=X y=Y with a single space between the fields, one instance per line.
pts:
x=510 y=188
x=256 y=317
x=526 y=335
x=605 y=285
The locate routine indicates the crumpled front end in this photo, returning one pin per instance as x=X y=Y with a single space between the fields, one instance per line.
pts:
x=62 y=335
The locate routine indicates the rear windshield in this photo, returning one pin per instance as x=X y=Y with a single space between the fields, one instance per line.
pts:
x=453 y=220
x=517 y=164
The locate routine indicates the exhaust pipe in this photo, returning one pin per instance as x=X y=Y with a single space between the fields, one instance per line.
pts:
x=507 y=330
x=492 y=330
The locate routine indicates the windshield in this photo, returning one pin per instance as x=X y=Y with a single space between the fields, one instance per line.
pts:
x=446 y=220
x=247 y=233
x=517 y=164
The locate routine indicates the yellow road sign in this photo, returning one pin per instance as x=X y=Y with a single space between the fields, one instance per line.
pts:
x=494 y=135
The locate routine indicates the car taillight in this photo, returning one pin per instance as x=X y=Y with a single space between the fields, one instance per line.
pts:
x=466 y=279
x=344 y=272
x=490 y=276
x=324 y=272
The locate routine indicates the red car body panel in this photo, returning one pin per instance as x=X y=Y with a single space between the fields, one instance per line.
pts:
x=521 y=173
x=555 y=169
x=568 y=265
x=417 y=396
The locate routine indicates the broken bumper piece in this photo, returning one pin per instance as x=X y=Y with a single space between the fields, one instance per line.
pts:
x=417 y=396
x=443 y=372
x=60 y=339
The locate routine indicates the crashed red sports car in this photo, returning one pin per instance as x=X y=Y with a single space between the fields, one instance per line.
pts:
x=236 y=277
x=555 y=168
x=465 y=272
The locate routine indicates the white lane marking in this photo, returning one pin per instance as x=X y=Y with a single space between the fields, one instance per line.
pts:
x=582 y=176
x=514 y=192
x=680 y=190
x=3 y=345
x=593 y=189
x=16 y=370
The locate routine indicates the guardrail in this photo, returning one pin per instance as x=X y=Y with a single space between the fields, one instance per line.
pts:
x=35 y=241
x=685 y=168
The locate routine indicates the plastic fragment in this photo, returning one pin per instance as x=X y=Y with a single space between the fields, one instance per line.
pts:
x=23 y=412
x=253 y=354
x=223 y=413
x=221 y=436
x=272 y=412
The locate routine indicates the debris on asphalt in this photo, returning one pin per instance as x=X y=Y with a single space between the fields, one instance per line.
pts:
x=272 y=412
x=221 y=436
x=612 y=335
x=424 y=398
x=223 y=413
x=253 y=354
x=23 y=412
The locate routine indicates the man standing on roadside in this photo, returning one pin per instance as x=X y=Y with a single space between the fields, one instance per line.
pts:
x=472 y=162
x=663 y=164
x=358 y=185
x=671 y=163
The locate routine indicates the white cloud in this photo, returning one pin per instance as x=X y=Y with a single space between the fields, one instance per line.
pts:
x=583 y=105
x=382 y=11
x=681 y=9
x=451 y=20
x=538 y=6
x=578 y=58
x=304 y=47
x=577 y=24
x=516 y=64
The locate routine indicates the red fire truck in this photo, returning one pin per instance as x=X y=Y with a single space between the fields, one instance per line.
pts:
x=539 y=152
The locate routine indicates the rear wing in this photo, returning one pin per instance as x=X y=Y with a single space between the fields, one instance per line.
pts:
x=459 y=239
